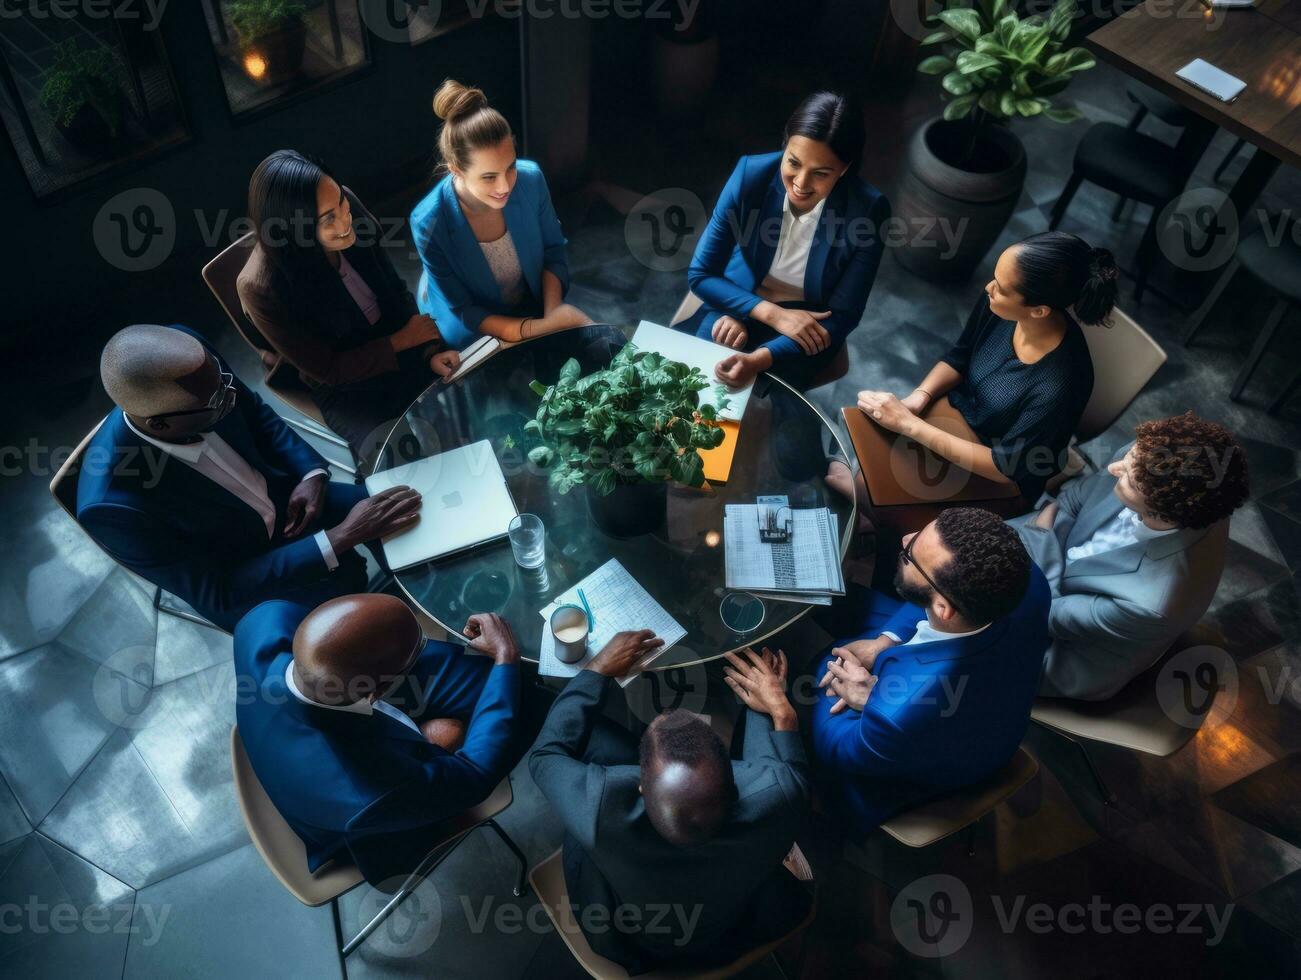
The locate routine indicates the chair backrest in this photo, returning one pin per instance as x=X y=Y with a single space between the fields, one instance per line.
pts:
x=281 y=848
x=1125 y=357
x=64 y=485
x=221 y=275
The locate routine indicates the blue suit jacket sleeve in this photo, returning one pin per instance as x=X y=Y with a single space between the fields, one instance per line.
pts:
x=554 y=254
x=849 y=296
x=221 y=591
x=571 y=786
x=430 y=240
x=452 y=782
x=864 y=744
x=706 y=276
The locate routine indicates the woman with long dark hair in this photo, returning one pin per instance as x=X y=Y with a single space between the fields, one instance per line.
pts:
x=321 y=291
x=487 y=234
x=1020 y=374
x=784 y=268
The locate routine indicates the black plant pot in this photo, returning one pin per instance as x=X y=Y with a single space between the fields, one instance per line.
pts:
x=89 y=132
x=631 y=510
x=954 y=208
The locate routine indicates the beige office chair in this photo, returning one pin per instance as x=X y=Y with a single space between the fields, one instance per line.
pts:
x=63 y=487
x=548 y=881
x=922 y=826
x=834 y=371
x=1133 y=718
x=280 y=377
x=1125 y=357
x=285 y=855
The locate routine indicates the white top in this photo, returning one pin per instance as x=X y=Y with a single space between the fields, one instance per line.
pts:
x=361 y=293
x=213 y=457
x=1124 y=529
x=503 y=260
x=926 y=633
x=791 y=259
x=362 y=707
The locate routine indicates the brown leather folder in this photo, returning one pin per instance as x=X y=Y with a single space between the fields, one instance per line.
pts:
x=908 y=485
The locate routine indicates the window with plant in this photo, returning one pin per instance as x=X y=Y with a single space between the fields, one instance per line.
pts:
x=998 y=66
x=637 y=421
x=253 y=19
x=80 y=77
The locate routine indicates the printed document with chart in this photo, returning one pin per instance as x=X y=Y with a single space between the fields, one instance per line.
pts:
x=808 y=563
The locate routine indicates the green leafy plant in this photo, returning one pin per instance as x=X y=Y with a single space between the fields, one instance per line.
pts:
x=637 y=421
x=79 y=77
x=997 y=66
x=253 y=19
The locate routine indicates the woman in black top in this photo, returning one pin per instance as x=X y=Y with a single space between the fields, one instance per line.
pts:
x=1020 y=374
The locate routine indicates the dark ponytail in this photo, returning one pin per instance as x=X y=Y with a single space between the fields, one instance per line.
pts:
x=831 y=118
x=1060 y=270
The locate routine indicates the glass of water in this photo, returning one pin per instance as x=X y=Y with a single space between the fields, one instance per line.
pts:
x=528 y=540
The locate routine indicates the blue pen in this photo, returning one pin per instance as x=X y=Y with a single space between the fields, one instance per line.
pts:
x=591 y=620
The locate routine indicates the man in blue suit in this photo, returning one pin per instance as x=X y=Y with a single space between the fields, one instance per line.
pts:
x=933 y=693
x=363 y=733
x=197 y=485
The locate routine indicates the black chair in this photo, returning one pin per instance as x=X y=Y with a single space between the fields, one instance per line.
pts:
x=1135 y=165
x=1276 y=267
x=1161 y=107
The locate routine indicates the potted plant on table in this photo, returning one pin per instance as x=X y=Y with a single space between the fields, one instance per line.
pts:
x=83 y=98
x=623 y=432
x=966 y=169
x=272 y=38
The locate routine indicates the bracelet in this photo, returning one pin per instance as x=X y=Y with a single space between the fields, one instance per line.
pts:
x=521 y=325
x=929 y=397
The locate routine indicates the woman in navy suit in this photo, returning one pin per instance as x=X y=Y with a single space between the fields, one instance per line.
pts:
x=787 y=260
x=489 y=239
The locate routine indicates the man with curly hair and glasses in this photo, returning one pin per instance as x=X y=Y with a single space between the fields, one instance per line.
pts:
x=1134 y=553
x=933 y=693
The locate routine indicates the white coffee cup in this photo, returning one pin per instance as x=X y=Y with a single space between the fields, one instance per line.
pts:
x=569 y=626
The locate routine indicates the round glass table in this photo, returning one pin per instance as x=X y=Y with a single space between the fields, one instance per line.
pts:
x=781 y=449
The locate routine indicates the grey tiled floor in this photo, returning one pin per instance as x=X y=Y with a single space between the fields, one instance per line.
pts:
x=116 y=786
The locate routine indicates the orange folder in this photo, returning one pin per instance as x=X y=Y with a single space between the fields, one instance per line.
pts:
x=718 y=461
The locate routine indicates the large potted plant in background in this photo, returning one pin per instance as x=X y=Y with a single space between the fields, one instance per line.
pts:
x=83 y=98
x=623 y=432
x=272 y=38
x=965 y=170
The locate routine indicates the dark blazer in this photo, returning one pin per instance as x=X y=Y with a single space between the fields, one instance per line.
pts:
x=614 y=857
x=941 y=716
x=368 y=786
x=736 y=250
x=324 y=334
x=184 y=532
x=457 y=287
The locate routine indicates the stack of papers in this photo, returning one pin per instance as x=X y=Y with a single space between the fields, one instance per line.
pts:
x=697 y=353
x=804 y=569
x=476 y=355
x=618 y=603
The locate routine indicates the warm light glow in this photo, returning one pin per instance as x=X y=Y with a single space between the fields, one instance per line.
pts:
x=255 y=66
x=712 y=538
x=1283 y=81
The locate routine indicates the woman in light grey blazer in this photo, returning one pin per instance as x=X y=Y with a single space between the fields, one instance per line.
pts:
x=1134 y=553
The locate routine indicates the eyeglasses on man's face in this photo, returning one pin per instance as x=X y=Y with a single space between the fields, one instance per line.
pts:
x=221 y=399
x=906 y=557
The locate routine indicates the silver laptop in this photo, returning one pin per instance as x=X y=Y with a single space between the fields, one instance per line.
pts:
x=466 y=503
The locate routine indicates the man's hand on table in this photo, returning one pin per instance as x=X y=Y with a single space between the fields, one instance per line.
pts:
x=621 y=654
x=760 y=683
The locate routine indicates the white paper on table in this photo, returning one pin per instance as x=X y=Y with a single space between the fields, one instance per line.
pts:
x=618 y=603
x=809 y=562
x=697 y=353
x=808 y=598
x=477 y=354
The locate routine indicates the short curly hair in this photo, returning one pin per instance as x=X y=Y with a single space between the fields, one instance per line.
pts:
x=990 y=569
x=1190 y=472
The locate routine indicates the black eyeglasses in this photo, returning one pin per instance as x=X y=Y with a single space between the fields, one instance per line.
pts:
x=225 y=390
x=906 y=556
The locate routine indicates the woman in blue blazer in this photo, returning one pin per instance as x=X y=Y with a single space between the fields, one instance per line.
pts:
x=787 y=260
x=491 y=245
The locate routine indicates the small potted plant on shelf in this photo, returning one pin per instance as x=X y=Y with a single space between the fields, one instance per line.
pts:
x=83 y=98
x=272 y=38
x=623 y=432
x=966 y=169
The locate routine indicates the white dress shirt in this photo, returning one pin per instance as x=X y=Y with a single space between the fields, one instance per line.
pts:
x=362 y=707
x=926 y=633
x=213 y=457
x=1124 y=529
x=791 y=259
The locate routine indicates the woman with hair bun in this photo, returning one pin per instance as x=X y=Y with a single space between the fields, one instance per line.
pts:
x=784 y=268
x=489 y=239
x=1020 y=374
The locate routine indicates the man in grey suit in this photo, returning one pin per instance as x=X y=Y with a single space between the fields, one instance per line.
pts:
x=673 y=853
x=1134 y=553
